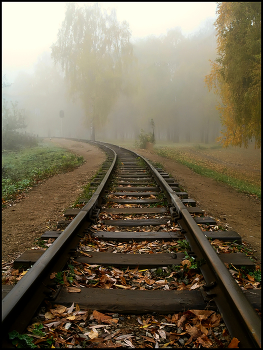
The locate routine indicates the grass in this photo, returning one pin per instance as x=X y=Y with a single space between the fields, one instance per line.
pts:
x=23 y=169
x=238 y=184
x=88 y=190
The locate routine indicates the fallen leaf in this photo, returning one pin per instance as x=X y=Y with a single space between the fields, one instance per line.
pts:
x=15 y=272
x=71 y=318
x=121 y=286
x=48 y=316
x=65 y=279
x=162 y=333
x=86 y=254
x=186 y=262
x=251 y=278
x=181 y=321
x=70 y=309
x=214 y=320
x=52 y=324
x=192 y=330
x=202 y=314
x=73 y=290
x=92 y=334
x=60 y=309
x=103 y=318
x=205 y=341
x=194 y=286
x=67 y=325
x=129 y=343
x=148 y=339
x=234 y=343
x=124 y=336
x=53 y=275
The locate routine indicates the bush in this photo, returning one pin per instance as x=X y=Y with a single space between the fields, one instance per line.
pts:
x=143 y=139
x=13 y=121
x=14 y=141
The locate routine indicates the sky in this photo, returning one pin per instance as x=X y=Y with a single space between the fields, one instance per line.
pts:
x=30 y=28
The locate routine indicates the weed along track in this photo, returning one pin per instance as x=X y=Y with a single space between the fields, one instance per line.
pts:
x=135 y=264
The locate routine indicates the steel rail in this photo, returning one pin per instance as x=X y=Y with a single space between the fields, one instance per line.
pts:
x=17 y=301
x=240 y=317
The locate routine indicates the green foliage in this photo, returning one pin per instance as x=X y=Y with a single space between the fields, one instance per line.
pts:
x=38 y=330
x=41 y=243
x=13 y=121
x=183 y=244
x=194 y=264
x=23 y=169
x=144 y=139
x=69 y=274
x=59 y=277
x=21 y=340
x=244 y=271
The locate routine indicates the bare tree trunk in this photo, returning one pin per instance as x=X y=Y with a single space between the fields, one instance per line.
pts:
x=92 y=131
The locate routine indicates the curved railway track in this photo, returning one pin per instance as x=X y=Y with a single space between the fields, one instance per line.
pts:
x=132 y=202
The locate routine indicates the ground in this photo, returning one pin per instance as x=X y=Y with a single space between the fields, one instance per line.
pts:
x=21 y=227
x=239 y=211
x=44 y=205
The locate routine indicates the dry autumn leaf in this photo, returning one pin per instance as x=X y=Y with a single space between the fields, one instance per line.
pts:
x=53 y=275
x=48 y=316
x=202 y=314
x=92 y=334
x=234 y=343
x=73 y=290
x=60 y=309
x=205 y=341
x=71 y=318
x=251 y=278
x=181 y=320
x=162 y=333
x=103 y=318
x=186 y=262
x=192 y=330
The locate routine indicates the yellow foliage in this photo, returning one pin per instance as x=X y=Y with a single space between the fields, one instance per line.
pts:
x=240 y=109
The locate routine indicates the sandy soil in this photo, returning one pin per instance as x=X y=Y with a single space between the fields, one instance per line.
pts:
x=20 y=226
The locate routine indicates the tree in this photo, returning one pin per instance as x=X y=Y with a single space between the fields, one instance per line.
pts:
x=93 y=49
x=13 y=120
x=5 y=82
x=236 y=73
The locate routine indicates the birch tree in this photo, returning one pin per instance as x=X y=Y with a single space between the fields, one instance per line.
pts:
x=94 y=50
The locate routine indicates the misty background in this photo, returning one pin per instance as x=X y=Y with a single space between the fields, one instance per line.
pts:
x=172 y=47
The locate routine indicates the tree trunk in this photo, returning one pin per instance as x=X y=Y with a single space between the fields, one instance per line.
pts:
x=92 y=131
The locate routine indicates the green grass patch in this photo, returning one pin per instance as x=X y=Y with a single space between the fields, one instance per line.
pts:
x=239 y=185
x=89 y=189
x=23 y=169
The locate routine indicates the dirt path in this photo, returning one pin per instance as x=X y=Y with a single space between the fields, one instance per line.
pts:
x=20 y=227
x=242 y=213
x=20 y=224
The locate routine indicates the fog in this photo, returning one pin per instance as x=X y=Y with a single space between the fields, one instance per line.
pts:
x=166 y=85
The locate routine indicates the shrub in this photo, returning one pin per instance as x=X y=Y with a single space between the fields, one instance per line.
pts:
x=143 y=139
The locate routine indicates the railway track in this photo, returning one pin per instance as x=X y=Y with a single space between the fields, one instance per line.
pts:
x=134 y=202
